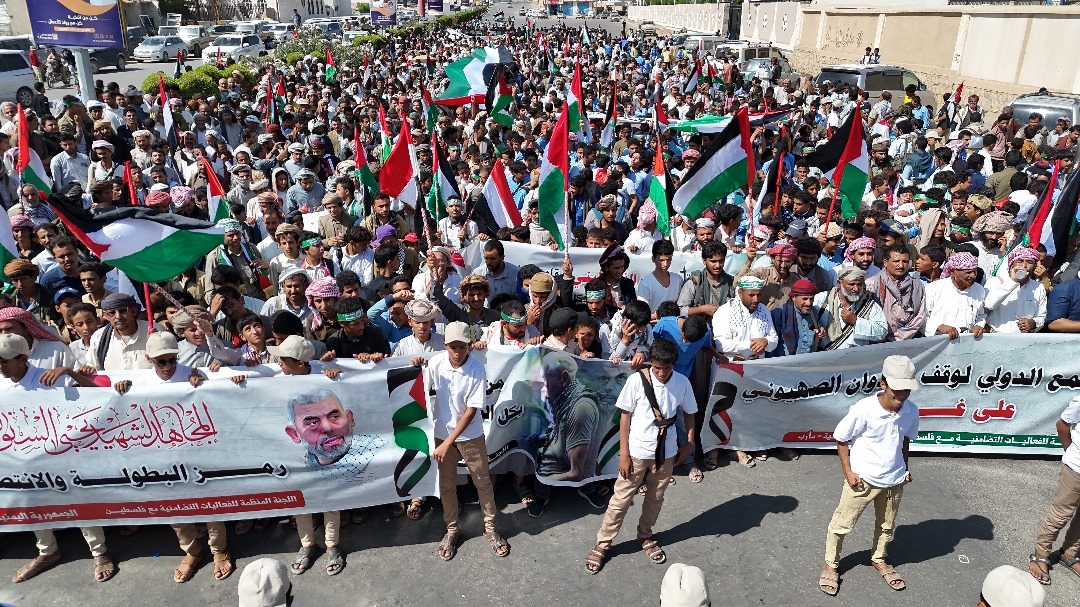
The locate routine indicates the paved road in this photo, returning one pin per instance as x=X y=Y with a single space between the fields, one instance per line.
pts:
x=758 y=534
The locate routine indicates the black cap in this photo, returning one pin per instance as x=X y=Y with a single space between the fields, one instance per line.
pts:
x=563 y=319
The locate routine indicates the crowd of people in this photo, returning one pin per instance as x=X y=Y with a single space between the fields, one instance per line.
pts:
x=932 y=249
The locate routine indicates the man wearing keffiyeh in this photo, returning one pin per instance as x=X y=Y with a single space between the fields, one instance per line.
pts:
x=742 y=327
x=900 y=295
x=800 y=326
x=1014 y=302
x=860 y=253
x=240 y=255
x=778 y=277
x=954 y=302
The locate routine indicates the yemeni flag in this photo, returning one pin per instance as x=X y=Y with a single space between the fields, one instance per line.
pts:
x=498 y=199
x=659 y=114
x=399 y=173
x=658 y=193
x=470 y=76
x=146 y=245
x=695 y=76
x=384 y=134
x=843 y=159
x=367 y=70
x=723 y=168
x=499 y=99
x=166 y=115
x=331 y=67
x=216 y=206
x=178 y=69
x=554 y=181
x=28 y=163
x=443 y=182
x=607 y=136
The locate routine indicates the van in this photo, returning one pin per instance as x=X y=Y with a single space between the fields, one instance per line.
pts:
x=15 y=73
x=1052 y=107
x=877 y=78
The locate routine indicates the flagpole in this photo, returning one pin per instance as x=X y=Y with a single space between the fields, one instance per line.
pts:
x=566 y=234
x=149 y=309
x=836 y=194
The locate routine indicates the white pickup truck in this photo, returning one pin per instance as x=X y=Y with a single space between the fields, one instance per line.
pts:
x=195 y=35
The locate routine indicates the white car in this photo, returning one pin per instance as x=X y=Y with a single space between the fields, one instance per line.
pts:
x=281 y=31
x=160 y=48
x=234 y=47
x=15 y=73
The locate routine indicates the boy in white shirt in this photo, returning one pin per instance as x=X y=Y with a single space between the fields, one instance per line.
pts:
x=457 y=384
x=872 y=442
x=650 y=401
x=1063 y=506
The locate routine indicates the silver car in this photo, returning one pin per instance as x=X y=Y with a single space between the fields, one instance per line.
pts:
x=160 y=48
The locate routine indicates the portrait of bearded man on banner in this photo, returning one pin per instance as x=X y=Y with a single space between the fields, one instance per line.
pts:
x=320 y=422
x=577 y=424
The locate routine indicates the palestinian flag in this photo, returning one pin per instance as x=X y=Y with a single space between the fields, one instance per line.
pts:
x=28 y=163
x=331 y=67
x=178 y=69
x=406 y=385
x=166 y=116
x=363 y=171
x=443 y=182
x=399 y=173
x=574 y=99
x=659 y=114
x=554 y=181
x=384 y=134
x=658 y=193
x=470 y=76
x=271 y=104
x=585 y=36
x=770 y=190
x=499 y=99
x=498 y=198
x=695 y=76
x=1053 y=220
x=129 y=183
x=844 y=160
x=144 y=244
x=8 y=250
x=723 y=168
x=607 y=136
x=216 y=206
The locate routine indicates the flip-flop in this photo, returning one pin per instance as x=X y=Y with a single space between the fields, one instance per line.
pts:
x=497 y=542
x=696 y=475
x=104 y=568
x=191 y=561
x=415 y=510
x=892 y=577
x=1045 y=575
x=304 y=558
x=225 y=570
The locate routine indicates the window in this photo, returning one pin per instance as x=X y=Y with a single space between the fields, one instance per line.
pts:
x=909 y=78
x=875 y=81
x=892 y=82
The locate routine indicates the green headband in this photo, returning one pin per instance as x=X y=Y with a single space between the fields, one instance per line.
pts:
x=595 y=294
x=8 y=290
x=351 y=316
x=510 y=319
x=310 y=241
x=961 y=229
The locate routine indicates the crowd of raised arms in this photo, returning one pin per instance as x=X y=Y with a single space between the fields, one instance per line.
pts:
x=929 y=249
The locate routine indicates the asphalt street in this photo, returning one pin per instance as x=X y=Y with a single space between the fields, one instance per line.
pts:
x=758 y=535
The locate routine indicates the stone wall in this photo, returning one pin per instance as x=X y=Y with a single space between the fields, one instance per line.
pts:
x=696 y=18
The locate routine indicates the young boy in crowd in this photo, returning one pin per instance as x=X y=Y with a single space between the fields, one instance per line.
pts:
x=650 y=401
x=357 y=338
x=82 y=320
x=92 y=276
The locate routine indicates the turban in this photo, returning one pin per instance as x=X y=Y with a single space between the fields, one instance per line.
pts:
x=20 y=267
x=32 y=325
x=267 y=196
x=995 y=221
x=142 y=133
x=186 y=317
x=323 y=287
x=229 y=225
x=850 y=272
x=474 y=281
x=959 y=261
x=1019 y=253
x=100 y=124
x=688 y=154
x=605 y=203
x=831 y=230
x=21 y=221
x=287 y=274
x=100 y=143
x=181 y=195
x=422 y=310
x=761 y=232
x=864 y=242
x=158 y=198
x=783 y=250
x=980 y=202
x=750 y=282
x=803 y=287
x=116 y=301
x=610 y=252
x=704 y=222
x=646 y=215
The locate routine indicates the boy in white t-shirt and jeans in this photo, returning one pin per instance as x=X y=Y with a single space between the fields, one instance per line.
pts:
x=872 y=442
x=457 y=383
x=650 y=401
x=1064 y=505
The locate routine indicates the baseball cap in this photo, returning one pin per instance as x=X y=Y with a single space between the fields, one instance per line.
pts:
x=684 y=586
x=161 y=343
x=1007 y=586
x=264 y=583
x=296 y=347
x=542 y=283
x=12 y=345
x=796 y=229
x=63 y=292
x=384 y=231
x=899 y=373
x=562 y=319
x=455 y=331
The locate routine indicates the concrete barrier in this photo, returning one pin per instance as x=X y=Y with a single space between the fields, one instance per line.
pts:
x=695 y=18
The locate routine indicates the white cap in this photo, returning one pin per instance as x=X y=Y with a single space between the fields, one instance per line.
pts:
x=264 y=583
x=160 y=343
x=1008 y=586
x=293 y=346
x=457 y=331
x=12 y=345
x=684 y=586
x=899 y=373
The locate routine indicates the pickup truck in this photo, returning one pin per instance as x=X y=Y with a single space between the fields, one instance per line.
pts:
x=195 y=35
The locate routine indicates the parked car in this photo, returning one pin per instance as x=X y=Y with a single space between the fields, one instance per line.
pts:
x=101 y=58
x=279 y=32
x=876 y=78
x=196 y=36
x=234 y=46
x=330 y=29
x=16 y=77
x=160 y=48
x=749 y=68
x=135 y=35
x=1052 y=107
x=221 y=30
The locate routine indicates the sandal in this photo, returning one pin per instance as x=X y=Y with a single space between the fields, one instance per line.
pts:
x=790 y=454
x=415 y=510
x=524 y=493
x=223 y=565
x=359 y=516
x=335 y=560
x=104 y=568
x=498 y=545
x=304 y=559
x=595 y=561
x=186 y=569
x=829 y=582
x=397 y=510
x=892 y=577
x=746 y=459
x=653 y=550
x=1071 y=562
x=761 y=456
x=711 y=461
x=1033 y=566
x=695 y=474
x=448 y=546
x=36 y=566
x=243 y=527
x=642 y=490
